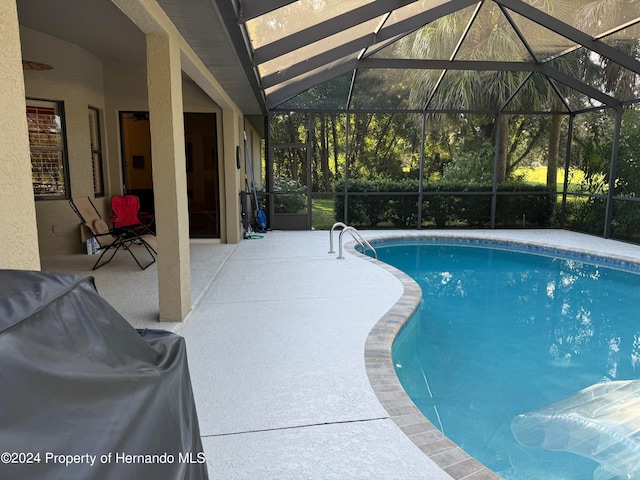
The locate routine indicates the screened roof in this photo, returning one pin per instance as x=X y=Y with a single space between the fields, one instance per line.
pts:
x=547 y=55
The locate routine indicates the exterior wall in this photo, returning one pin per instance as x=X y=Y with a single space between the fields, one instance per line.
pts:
x=19 y=234
x=76 y=80
x=80 y=79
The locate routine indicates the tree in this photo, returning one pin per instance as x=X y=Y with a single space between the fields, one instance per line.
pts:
x=324 y=137
x=488 y=37
x=379 y=143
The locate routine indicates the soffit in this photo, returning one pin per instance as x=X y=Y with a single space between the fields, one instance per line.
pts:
x=101 y=28
x=97 y=26
x=222 y=51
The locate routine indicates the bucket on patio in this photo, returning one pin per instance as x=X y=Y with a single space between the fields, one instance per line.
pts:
x=89 y=243
x=91 y=246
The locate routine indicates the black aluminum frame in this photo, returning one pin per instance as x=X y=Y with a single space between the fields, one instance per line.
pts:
x=355 y=54
x=421 y=193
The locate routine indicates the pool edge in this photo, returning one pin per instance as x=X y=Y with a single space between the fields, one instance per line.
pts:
x=379 y=365
x=386 y=385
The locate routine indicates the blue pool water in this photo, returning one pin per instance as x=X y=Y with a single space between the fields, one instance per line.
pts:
x=500 y=333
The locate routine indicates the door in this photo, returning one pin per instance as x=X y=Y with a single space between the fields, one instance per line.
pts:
x=202 y=175
x=201 y=152
x=291 y=209
x=136 y=158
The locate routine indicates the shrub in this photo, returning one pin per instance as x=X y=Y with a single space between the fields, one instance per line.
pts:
x=587 y=216
x=531 y=209
x=625 y=221
x=286 y=202
x=441 y=205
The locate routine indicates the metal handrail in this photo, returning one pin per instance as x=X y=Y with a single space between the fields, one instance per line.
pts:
x=357 y=236
x=335 y=225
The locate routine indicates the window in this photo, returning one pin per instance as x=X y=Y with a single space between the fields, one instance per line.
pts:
x=47 y=145
x=96 y=151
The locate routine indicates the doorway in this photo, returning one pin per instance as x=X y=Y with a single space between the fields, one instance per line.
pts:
x=291 y=186
x=201 y=152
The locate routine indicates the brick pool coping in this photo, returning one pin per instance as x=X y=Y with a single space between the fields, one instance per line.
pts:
x=446 y=454
x=381 y=372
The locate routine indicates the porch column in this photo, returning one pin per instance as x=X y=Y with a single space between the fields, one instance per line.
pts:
x=232 y=128
x=19 y=246
x=169 y=176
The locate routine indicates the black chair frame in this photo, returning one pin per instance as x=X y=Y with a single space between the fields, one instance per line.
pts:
x=120 y=238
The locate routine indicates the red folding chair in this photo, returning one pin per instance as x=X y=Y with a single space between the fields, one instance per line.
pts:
x=126 y=209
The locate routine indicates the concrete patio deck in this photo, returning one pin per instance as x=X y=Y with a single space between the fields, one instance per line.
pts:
x=276 y=343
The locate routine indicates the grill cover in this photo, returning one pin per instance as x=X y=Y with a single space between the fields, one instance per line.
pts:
x=83 y=394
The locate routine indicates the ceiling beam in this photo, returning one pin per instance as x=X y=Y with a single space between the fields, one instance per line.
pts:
x=419 y=64
x=519 y=33
x=491 y=66
x=325 y=29
x=408 y=64
x=249 y=9
x=314 y=63
x=571 y=33
x=365 y=41
x=290 y=89
x=327 y=65
x=578 y=85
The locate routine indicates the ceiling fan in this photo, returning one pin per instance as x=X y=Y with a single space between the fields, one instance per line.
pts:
x=29 y=65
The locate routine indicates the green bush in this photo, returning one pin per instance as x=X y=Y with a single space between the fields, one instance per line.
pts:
x=528 y=207
x=286 y=198
x=587 y=216
x=440 y=206
x=373 y=210
x=625 y=221
x=445 y=209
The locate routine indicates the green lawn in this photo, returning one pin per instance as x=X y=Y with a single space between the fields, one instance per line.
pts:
x=322 y=214
x=539 y=175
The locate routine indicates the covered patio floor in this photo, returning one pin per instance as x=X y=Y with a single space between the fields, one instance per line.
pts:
x=276 y=342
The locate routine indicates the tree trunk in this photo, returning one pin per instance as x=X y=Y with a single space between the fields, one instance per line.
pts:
x=334 y=134
x=503 y=148
x=554 y=150
x=324 y=155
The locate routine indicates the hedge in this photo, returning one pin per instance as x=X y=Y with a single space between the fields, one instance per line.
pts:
x=396 y=204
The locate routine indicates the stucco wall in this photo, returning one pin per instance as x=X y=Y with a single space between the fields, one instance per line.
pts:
x=18 y=227
x=76 y=80
x=80 y=79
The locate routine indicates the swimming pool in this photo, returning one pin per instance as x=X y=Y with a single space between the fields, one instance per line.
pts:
x=562 y=324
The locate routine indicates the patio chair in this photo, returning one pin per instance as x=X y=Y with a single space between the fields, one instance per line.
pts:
x=111 y=240
x=126 y=213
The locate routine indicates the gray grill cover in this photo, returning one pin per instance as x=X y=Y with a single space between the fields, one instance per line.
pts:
x=77 y=379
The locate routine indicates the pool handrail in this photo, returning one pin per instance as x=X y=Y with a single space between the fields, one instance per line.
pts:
x=335 y=225
x=357 y=236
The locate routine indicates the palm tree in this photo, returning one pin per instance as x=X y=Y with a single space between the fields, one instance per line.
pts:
x=601 y=16
x=483 y=33
x=609 y=77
